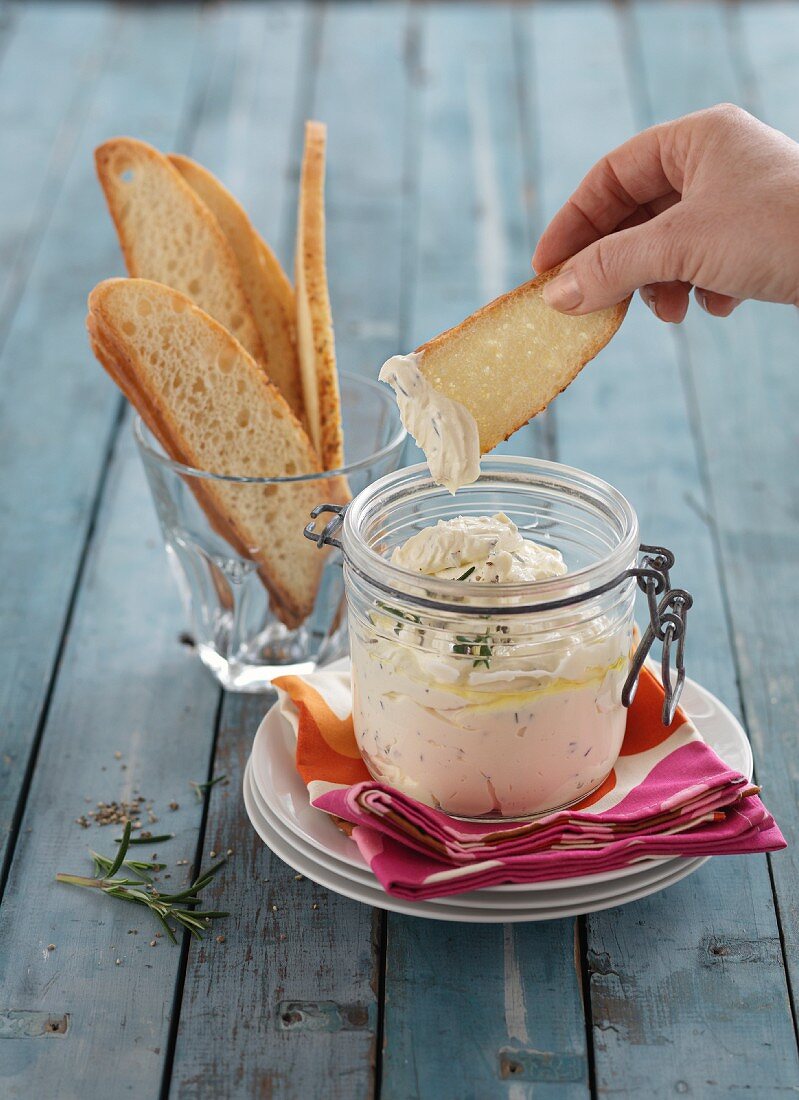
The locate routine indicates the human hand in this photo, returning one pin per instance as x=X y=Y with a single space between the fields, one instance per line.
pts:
x=710 y=200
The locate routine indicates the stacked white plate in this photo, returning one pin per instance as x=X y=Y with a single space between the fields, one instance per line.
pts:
x=307 y=839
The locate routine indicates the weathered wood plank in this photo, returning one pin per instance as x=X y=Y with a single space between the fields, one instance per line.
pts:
x=250 y=123
x=362 y=54
x=475 y=1011
x=767 y=39
x=483 y=1010
x=627 y=418
x=324 y=956
x=125 y=684
x=8 y=18
x=59 y=410
x=471 y=241
x=718 y=995
x=750 y=446
x=46 y=84
x=285 y=941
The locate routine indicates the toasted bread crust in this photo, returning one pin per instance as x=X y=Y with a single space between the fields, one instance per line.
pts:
x=280 y=285
x=118 y=354
x=428 y=350
x=314 y=317
x=117 y=156
x=266 y=285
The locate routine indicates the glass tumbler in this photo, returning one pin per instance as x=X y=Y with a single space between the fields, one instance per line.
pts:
x=237 y=628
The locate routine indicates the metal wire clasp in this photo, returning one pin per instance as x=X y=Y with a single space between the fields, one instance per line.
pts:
x=668 y=610
x=325 y=536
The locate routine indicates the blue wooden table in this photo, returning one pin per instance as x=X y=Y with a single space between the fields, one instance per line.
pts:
x=455 y=131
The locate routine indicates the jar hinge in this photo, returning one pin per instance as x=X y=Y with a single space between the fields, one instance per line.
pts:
x=325 y=536
x=668 y=611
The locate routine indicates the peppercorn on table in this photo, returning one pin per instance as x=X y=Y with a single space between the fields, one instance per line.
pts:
x=455 y=130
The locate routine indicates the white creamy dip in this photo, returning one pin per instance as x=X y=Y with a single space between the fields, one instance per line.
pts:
x=507 y=716
x=444 y=429
x=493 y=545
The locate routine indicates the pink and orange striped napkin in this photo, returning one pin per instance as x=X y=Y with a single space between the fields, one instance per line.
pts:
x=669 y=795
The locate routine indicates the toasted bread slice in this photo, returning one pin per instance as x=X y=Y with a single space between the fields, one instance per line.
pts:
x=266 y=285
x=107 y=356
x=168 y=234
x=212 y=408
x=119 y=369
x=314 y=318
x=508 y=360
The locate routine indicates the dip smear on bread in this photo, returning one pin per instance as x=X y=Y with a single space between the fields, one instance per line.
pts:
x=467 y=390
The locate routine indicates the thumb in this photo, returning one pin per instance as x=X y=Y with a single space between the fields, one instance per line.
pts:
x=611 y=268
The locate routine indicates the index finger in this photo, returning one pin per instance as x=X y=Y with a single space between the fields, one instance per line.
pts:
x=640 y=171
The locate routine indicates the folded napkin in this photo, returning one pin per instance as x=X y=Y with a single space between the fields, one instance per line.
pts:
x=668 y=795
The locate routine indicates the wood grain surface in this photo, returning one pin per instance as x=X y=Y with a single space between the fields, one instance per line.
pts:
x=639 y=394
x=455 y=130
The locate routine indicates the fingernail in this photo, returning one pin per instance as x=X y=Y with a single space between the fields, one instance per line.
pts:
x=563 y=292
x=648 y=296
x=701 y=298
x=722 y=308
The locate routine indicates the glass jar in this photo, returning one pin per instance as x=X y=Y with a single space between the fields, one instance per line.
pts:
x=492 y=701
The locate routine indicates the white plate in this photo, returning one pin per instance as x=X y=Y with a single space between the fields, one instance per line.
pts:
x=377 y=898
x=285 y=794
x=556 y=897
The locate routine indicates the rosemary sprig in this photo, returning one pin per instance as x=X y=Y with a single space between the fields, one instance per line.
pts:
x=103 y=865
x=179 y=907
x=468 y=573
x=145 y=839
x=202 y=789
